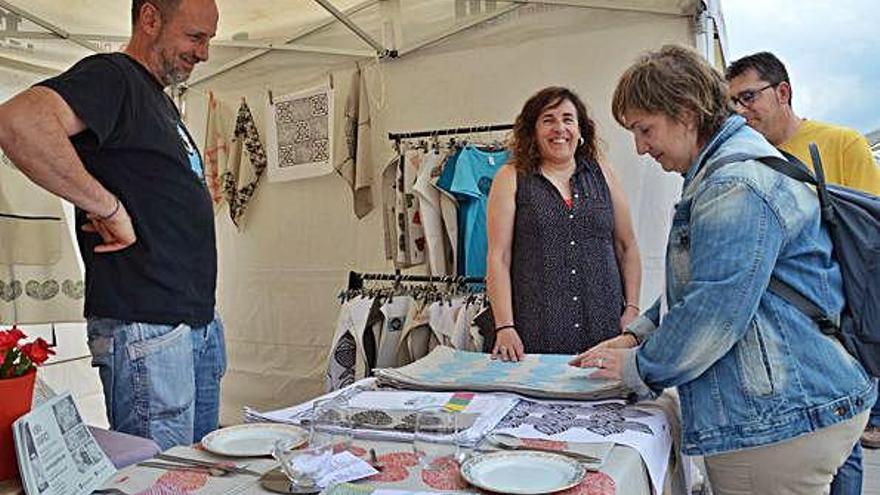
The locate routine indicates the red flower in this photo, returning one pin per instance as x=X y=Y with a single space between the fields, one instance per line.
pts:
x=9 y=338
x=37 y=351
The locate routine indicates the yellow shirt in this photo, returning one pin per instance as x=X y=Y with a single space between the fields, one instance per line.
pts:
x=846 y=156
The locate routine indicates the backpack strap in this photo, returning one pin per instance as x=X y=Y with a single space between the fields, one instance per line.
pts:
x=792 y=167
x=795 y=169
x=828 y=325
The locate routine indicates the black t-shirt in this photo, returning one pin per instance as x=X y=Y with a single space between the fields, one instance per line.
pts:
x=137 y=147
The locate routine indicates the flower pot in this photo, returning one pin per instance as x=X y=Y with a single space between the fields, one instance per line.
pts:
x=17 y=395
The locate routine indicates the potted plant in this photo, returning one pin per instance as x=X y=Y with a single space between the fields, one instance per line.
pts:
x=18 y=372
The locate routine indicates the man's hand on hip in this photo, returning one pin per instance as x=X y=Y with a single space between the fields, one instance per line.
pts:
x=115 y=229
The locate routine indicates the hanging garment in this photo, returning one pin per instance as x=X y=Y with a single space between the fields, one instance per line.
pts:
x=465 y=329
x=395 y=314
x=411 y=234
x=348 y=361
x=217 y=148
x=389 y=208
x=417 y=338
x=449 y=212
x=441 y=318
x=352 y=159
x=470 y=181
x=565 y=281
x=430 y=211
x=246 y=165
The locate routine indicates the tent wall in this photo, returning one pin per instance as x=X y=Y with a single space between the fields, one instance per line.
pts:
x=279 y=275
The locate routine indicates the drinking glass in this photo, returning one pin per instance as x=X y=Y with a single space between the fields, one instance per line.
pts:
x=436 y=435
x=331 y=426
x=303 y=467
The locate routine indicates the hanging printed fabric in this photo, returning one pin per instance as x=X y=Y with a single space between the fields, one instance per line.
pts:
x=430 y=211
x=348 y=360
x=389 y=208
x=351 y=153
x=300 y=134
x=216 y=151
x=245 y=166
x=411 y=234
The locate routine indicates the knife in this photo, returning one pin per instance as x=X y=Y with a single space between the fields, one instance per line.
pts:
x=209 y=464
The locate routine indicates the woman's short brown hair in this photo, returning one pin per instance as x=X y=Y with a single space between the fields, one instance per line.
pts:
x=671 y=81
x=526 y=154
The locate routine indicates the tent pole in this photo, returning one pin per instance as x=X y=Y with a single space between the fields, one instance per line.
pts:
x=457 y=29
x=48 y=26
x=295 y=47
x=704 y=34
x=262 y=51
x=14 y=63
x=605 y=5
x=43 y=35
x=343 y=18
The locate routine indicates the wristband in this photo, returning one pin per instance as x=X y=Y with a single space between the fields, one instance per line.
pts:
x=634 y=306
x=503 y=327
x=110 y=215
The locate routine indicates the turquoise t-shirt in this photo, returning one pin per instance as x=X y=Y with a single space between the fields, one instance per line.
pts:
x=468 y=175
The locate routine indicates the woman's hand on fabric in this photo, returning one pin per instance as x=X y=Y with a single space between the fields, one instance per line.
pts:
x=622 y=341
x=508 y=346
x=607 y=360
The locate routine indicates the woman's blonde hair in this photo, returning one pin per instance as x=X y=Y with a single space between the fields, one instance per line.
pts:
x=671 y=81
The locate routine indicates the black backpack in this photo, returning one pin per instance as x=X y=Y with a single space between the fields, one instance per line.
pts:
x=853 y=220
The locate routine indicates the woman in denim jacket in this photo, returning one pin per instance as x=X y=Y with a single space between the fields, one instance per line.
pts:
x=773 y=403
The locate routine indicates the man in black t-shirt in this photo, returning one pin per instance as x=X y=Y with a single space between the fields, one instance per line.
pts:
x=105 y=136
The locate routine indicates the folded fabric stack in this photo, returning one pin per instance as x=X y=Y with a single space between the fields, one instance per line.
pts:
x=546 y=376
x=390 y=414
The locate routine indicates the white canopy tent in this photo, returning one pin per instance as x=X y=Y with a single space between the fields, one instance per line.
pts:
x=425 y=64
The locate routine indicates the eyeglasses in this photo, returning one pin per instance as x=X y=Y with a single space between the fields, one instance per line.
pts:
x=747 y=97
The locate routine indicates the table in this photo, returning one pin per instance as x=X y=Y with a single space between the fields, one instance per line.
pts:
x=623 y=473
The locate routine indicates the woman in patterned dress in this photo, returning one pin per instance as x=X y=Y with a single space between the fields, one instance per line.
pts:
x=563 y=264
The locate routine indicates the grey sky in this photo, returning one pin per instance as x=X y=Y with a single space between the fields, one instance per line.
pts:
x=830 y=47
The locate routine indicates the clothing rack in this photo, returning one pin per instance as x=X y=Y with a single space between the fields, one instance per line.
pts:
x=356 y=279
x=398 y=136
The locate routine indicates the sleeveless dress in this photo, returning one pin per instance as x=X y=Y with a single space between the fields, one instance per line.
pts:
x=566 y=286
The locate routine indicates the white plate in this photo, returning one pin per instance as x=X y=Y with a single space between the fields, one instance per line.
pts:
x=251 y=440
x=523 y=472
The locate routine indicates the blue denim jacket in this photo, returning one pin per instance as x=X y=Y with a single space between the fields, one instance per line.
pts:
x=750 y=368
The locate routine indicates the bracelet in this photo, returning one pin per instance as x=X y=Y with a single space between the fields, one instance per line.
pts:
x=634 y=306
x=110 y=215
x=503 y=327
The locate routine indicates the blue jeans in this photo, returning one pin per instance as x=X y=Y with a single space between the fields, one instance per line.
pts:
x=160 y=381
x=848 y=480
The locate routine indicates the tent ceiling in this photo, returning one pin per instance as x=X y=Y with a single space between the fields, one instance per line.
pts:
x=31 y=46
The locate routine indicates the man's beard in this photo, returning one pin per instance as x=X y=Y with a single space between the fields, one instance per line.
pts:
x=172 y=75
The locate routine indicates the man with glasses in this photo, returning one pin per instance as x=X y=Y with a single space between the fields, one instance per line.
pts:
x=761 y=92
